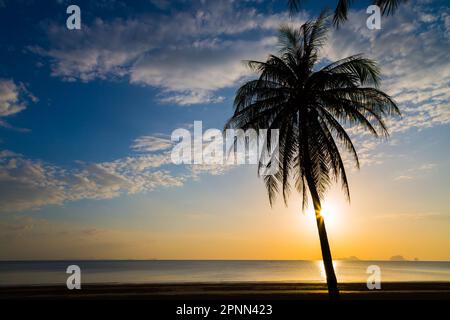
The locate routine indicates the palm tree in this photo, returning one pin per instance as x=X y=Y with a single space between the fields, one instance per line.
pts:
x=340 y=13
x=310 y=107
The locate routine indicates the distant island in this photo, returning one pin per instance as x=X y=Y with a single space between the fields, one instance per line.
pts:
x=397 y=258
x=351 y=258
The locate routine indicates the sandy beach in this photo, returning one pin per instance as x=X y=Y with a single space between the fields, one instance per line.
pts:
x=231 y=291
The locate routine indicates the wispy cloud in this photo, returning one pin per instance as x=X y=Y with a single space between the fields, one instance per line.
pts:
x=189 y=55
x=408 y=216
x=27 y=184
x=416 y=172
x=151 y=143
x=427 y=166
x=404 y=178
x=14 y=98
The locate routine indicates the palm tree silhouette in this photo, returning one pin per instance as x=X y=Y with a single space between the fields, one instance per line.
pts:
x=310 y=108
x=340 y=13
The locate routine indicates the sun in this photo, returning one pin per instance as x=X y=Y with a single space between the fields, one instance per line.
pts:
x=330 y=213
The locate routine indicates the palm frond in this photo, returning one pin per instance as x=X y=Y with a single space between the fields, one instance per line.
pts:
x=294 y=5
x=388 y=6
x=340 y=13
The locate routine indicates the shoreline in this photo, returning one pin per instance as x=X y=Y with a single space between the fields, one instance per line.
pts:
x=229 y=291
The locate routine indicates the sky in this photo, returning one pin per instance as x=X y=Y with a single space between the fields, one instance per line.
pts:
x=86 y=118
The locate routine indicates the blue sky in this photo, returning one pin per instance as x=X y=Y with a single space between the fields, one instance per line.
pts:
x=86 y=116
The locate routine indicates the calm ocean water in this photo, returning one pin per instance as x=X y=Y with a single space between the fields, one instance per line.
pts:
x=157 y=271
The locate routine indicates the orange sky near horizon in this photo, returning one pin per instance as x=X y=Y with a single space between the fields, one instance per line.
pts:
x=369 y=228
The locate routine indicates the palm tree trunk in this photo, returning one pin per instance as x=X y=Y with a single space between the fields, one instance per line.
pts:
x=333 y=290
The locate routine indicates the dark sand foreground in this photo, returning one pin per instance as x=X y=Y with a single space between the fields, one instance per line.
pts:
x=232 y=291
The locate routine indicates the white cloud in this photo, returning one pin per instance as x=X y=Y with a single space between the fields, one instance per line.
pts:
x=189 y=55
x=31 y=184
x=212 y=169
x=25 y=184
x=427 y=167
x=151 y=143
x=161 y=4
x=190 y=97
x=194 y=71
x=9 y=98
x=416 y=172
x=403 y=178
x=14 y=98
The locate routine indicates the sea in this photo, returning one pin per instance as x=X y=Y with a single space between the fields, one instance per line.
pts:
x=198 y=271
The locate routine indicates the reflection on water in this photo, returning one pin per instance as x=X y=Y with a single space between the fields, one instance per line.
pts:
x=321 y=267
x=154 y=271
